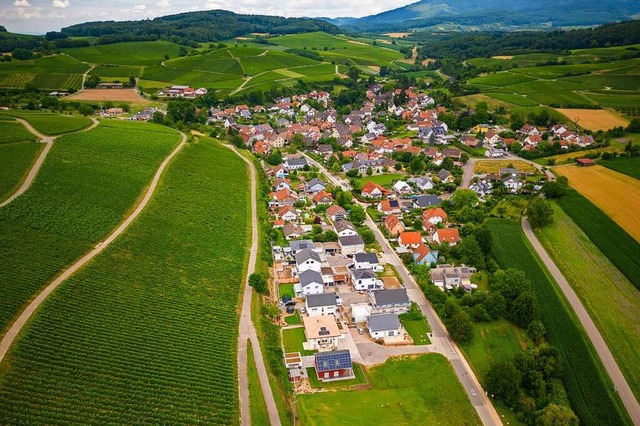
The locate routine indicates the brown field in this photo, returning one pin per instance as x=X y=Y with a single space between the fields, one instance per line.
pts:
x=396 y=35
x=472 y=100
x=615 y=194
x=493 y=167
x=594 y=119
x=383 y=41
x=121 y=95
x=358 y=42
x=503 y=57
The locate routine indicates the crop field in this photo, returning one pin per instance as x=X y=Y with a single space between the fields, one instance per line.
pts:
x=130 y=53
x=52 y=124
x=115 y=95
x=620 y=247
x=502 y=79
x=611 y=300
x=562 y=98
x=418 y=390
x=515 y=99
x=85 y=187
x=628 y=166
x=589 y=389
x=147 y=333
x=11 y=132
x=615 y=194
x=595 y=119
x=15 y=161
x=493 y=104
x=493 y=167
x=116 y=71
x=58 y=72
x=571 y=157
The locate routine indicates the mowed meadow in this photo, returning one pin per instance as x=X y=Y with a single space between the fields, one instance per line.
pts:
x=147 y=332
x=87 y=184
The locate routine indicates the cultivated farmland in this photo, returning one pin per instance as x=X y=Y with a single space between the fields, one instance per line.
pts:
x=595 y=119
x=114 y=95
x=621 y=249
x=18 y=151
x=52 y=124
x=57 y=72
x=83 y=190
x=611 y=300
x=588 y=387
x=130 y=53
x=147 y=333
x=12 y=132
x=616 y=194
x=628 y=166
x=419 y=390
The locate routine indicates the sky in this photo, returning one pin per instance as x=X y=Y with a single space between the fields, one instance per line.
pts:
x=40 y=16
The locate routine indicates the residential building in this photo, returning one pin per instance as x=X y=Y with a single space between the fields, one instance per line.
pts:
x=345 y=228
x=423 y=255
x=321 y=304
x=449 y=277
x=336 y=213
x=352 y=244
x=322 y=333
x=367 y=261
x=450 y=236
x=385 y=325
x=394 y=301
x=310 y=283
x=365 y=279
x=410 y=240
x=393 y=225
x=308 y=260
x=335 y=365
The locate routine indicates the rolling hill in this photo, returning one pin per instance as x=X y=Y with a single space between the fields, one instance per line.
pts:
x=427 y=13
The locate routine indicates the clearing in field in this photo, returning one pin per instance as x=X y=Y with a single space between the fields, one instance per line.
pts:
x=418 y=390
x=594 y=119
x=146 y=333
x=611 y=300
x=122 y=95
x=503 y=57
x=397 y=35
x=493 y=167
x=615 y=194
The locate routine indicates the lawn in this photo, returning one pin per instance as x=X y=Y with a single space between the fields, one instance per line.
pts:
x=629 y=166
x=16 y=160
x=419 y=390
x=511 y=207
x=385 y=180
x=129 y=53
x=294 y=319
x=147 y=332
x=286 y=289
x=621 y=249
x=418 y=330
x=493 y=167
x=83 y=190
x=611 y=300
x=494 y=342
x=358 y=370
x=52 y=124
x=617 y=195
x=293 y=338
x=588 y=387
x=257 y=405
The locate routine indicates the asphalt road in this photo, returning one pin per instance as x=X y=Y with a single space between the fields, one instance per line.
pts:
x=441 y=341
x=609 y=362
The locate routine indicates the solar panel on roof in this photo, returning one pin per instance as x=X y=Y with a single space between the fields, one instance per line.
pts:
x=328 y=361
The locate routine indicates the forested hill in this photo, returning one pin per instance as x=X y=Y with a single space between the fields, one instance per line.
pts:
x=186 y=28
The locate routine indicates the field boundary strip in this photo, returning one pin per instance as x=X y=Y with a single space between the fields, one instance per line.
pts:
x=33 y=306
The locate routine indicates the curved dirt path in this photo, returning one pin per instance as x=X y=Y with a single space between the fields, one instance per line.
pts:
x=24 y=317
x=247 y=330
x=609 y=362
x=48 y=141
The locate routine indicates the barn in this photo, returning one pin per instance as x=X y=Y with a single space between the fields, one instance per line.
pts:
x=334 y=365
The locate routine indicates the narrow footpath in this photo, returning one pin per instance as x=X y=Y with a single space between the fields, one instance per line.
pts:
x=17 y=326
x=609 y=362
x=441 y=341
x=247 y=329
x=48 y=141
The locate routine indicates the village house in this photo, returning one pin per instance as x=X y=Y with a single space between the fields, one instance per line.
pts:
x=393 y=225
x=449 y=277
x=335 y=213
x=365 y=279
x=385 y=325
x=288 y=214
x=344 y=228
x=372 y=190
x=335 y=365
x=321 y=304
x=389 y=207
x=292 y=231
x=445 y=176
x=394 y=301
x=314 y=186
x=423 y=255
x=424 y=201
x=323 y=198
x=433 y=217
x=422 y=183
x=402 y=188
x=512 y=184
x=450 y=236
x=410 y=240
x=308 y=260
x=351 y=244
x=310 y=283
x=295 y=163
x=322 y=333
x=367 y=261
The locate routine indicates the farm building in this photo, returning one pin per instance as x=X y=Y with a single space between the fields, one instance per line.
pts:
x=335 y=365
x=585 y=162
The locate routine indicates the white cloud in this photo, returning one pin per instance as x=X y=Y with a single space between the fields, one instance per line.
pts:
x=22 y=3
x=163 y=4
x=62 y=4
x=140 y=7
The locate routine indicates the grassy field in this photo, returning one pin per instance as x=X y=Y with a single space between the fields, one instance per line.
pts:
x=420 y=390
x=129 y=53
x=571 y=157
x=385 y=180
x=621 y=249
x=358 y=371
x=493 y=167
x=293 y=339
x=52 y=124
x=589 y=389
x=628 y=166
x=615 y=194
x=147 y=333
x=257 y=406
x=611 y=300
x=418 y=330
x=15 y=162
x=88 y=183
x=511 y=207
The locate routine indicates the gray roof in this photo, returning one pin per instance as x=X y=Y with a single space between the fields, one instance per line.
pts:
x=443 y=174
x=397 y=296
x=351 y=240
x=298 y=245
x=296 y=161
x=324 y=299
x=427 y=200
x=306 y=254
x=315 y=181
x=310 y=277
x=342 y=225
x=384 y=322
x=509 y=171
x=360 y=274
x=366 y=257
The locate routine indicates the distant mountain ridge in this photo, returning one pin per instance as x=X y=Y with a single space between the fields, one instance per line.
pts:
x=427 y=13
x=205 y=26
